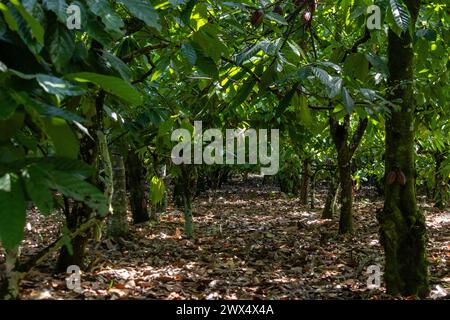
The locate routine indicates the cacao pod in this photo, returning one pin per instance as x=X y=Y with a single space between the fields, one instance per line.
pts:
x=278 y=10
x=391 y=177
x=306 y=18
x=257 y=17
x=401 y=178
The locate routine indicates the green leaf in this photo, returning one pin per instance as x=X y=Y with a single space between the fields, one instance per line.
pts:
x=118 y=65
x=5 y=183
x=113 y=85
x=348 y=101
x=143 y=10
x=356 y=66
x=74 y=187
x=58 y=87
x=207 y=66
x=333 y=84
x=187 y=11
x=157 y=190
x=243 y=92
x=61 y=47
x=189 y=52
x=36 y=29
x=276 y=17
x=37 y=188
x=400 y=13
x=209 y=42
x=65 y=142
x=67 y=165
x=7 y=105
x=58 y=7
x=103 y=10
x=12 y=214
x=252 y=50
x=12 y=23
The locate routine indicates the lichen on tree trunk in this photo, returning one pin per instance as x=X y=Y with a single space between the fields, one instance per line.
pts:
x=137 y=188
x=305 y=181
x=118 y=222
x=345 y=150
x=329 y=207
x=402 y=224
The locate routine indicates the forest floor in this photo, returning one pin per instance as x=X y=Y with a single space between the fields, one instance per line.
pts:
x=252 y=242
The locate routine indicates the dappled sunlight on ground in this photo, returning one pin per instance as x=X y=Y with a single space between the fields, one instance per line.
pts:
x=252 y=242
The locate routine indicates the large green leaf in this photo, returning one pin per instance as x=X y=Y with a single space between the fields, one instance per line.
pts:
x=38 y=190
x=59 y=7
x=209 y=43
x=356 y=66
x=75 y=187
x=36 y=29
x=400 y=13
x=57 y=86
x=187 y=11
x=65 y=142
x=348 y=101
x=113 y=85
x=61 y=47
x=189 y=52
x=243 y=92
x=249 y=52
x=207 y=66
x=12 y=214
x=7 y=105
x=143 y=10
x=12 y=24
x=118 y=65
x=103 y=10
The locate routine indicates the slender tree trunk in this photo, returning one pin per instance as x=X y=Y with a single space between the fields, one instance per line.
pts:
x=304 y=184
x=402 y=224
x=10 y=277
x=137 y=188
x=329 y=209
x=312 y=191
x=345 y=150
x=188 y=184
x=440 y=186
x=118 y=222
x=80 y=212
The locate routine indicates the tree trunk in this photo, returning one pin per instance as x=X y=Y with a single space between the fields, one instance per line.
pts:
x=440 y=185
x=402 y=225
x=118 y=222
x=345 y=151
x=137 y=188
x=329 y=208
x=10 y=277
x=80 y=212
x=304 y=184
x=188 y=185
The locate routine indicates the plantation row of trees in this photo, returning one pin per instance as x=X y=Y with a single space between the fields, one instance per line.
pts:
x=86 y=115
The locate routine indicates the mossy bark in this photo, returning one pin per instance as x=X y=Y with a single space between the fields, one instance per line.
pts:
x=118 y=222
x=188 y=179
x=402 y=224
x=80 y=212
x=345 y=150
x=329 y=208
x=305 y=181
x=137 y=188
